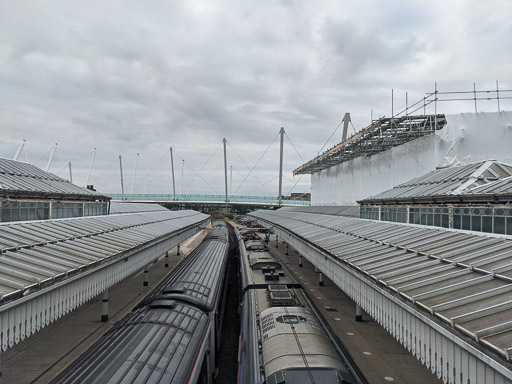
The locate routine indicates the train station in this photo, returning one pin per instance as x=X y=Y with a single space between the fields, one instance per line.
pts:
x=420 y=274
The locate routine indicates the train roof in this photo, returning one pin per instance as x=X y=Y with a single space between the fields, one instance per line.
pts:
x=292 y=337
x=155 y=344
x=254 y=244
x=219 y=230
x=258 y=260
x=197 y=279
x=260 y=268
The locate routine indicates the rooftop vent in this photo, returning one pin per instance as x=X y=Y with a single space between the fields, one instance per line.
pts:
x=281 y=299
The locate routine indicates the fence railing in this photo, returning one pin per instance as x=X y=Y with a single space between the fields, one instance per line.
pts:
x=196 y=198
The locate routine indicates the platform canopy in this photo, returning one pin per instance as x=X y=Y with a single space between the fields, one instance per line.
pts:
x=23 y=180
x=337 y=210
x=458 y=280
x=453 y=184
x=131 y=207
x=48 y=268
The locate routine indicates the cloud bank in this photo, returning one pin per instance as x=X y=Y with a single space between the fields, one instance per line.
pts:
x=130 y=77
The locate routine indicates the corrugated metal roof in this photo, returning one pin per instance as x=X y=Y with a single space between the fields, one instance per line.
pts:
x=17 y=178
x=117 y=207
x=446 y=182
x=199 y=276
x=462 y=278
x=34 y=254
x=339 y=210
x=503 y=186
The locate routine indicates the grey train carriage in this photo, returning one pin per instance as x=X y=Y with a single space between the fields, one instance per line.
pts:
x=173 y=335
x=281 y=338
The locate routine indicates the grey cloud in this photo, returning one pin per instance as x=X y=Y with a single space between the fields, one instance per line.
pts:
x=129 y=77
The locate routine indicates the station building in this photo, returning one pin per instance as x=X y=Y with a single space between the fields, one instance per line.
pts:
x=29 y=193
x=474 y=197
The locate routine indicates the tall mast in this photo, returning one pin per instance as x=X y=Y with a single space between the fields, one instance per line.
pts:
x=281 y=166
x=70 y=173
x=90 y=166
x=231 y=181
x=122 y=183
x=182 y=169
x=346 y=120
x=51 y=158
x=172 y=171
x=225 y=172
x=134 y=173
x=20 y=148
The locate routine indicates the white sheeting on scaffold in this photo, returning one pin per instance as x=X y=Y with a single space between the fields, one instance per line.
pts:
x=431 y=288
x=467 y=138
x=48 y=268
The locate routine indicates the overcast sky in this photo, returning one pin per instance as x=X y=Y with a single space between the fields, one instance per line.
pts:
x=130 y=77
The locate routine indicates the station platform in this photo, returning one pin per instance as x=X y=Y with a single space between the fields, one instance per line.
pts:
x=378 y=355
x=39 y=358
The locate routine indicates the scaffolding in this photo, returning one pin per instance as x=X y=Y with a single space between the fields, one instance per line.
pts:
x=381 y=135
x=400 y=128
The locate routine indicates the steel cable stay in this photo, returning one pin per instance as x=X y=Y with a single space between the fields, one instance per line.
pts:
x=105 y=170
x=354 y=128
x=271 y=180
x=294 y=185
x=192 y=169
x=41 y=158
x=290 y=140
x=235 y=173
x=231 y=186
x=151 y=171
x=251 y=169
x=77 y=168
x=26 y=154
x=330 y=137
x=11 y=154
x=290 y=191
x=204 y=165
x=62 y=159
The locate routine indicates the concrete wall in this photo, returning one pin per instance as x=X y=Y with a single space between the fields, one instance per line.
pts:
x=465 y=139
